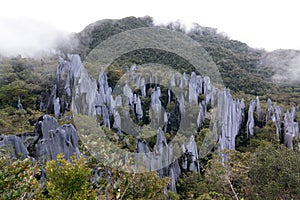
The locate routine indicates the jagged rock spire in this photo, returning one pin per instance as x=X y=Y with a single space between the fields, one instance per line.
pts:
x=20 y=107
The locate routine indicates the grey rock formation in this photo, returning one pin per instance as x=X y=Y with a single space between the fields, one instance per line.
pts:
x=53 y=139
x=166 y=121
x=48 y=98
x=161 y=149
x=291 y=128
x=103 y=85
x=143 y=158
x=182 y=104
x=73 y=84
x=99 y=103
x=258 y=110
x=250 y=123
x=48 y=140
x=84 y=93
x=269 y=110
x=193 y=95
x=276 y=118
x=190 y=157
x=105 y=116
x=169 y=96
x=174 y=173
x=117 y=123
x=162 y=158
x=185 y=80
x=143 y=87
x=133 y=68
x=199 y=83
x=155 y=101
x=127 y=92
x=19 y=106
x=139 y=109
x=172 y=80
x=230 y=116
x=118 y=101
x=157 y=118
x=195 y=87
x=207 y=89
x=13 y=145
x=56 y=107
x=109 y=98
x=201 y=114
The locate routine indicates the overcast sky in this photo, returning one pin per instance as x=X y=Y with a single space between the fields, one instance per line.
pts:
x=259 y=23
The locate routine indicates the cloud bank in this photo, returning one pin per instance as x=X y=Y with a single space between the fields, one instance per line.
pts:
x=28 y=37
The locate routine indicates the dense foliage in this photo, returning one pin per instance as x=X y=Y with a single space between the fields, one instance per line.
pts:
x=17 y=179
x=24 y=78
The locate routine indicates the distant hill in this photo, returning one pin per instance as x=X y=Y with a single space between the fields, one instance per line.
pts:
x=244 y=70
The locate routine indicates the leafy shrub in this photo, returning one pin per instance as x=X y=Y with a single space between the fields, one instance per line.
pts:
x=17 y=179
x=69 y=179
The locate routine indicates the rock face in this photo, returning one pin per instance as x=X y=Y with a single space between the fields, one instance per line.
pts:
x=161 y=149
x=63 y=93
x=49 y=140
x=20 y=107
x=230 y=117
x=269 y=110
x=291 y=128
x=162 y=159
x=53 y=139
x=190 y=157
x=250 y=122
x=14 y=145
x=143 y=154
x=258 y=110
x=276 y=118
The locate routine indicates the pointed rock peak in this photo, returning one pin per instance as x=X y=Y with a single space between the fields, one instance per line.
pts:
x=242 y=103
x=161 y=140
x=75 y=64
x=20 y=107
x=142 y=146
x=14 y=145
x=133 y=67
x=269 y=103
x=45 y=125
x=258 y=109
x=294 y=113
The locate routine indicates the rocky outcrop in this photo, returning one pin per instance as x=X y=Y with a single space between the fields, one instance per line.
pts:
x=276 y=118
x=19 y=106
x=286 y=126
x=190 y=158
x=230 y=117
x=163 y=161
x=54 y=139
x=14 y=145
x=58 y=101
x=291 y=128
x=250 y=123
x=48 y=140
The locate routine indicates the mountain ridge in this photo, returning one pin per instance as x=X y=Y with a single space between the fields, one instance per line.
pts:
x=243 y=68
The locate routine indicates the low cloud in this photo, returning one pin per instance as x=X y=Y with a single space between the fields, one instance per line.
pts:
x=28 y=37
x=285 y=64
